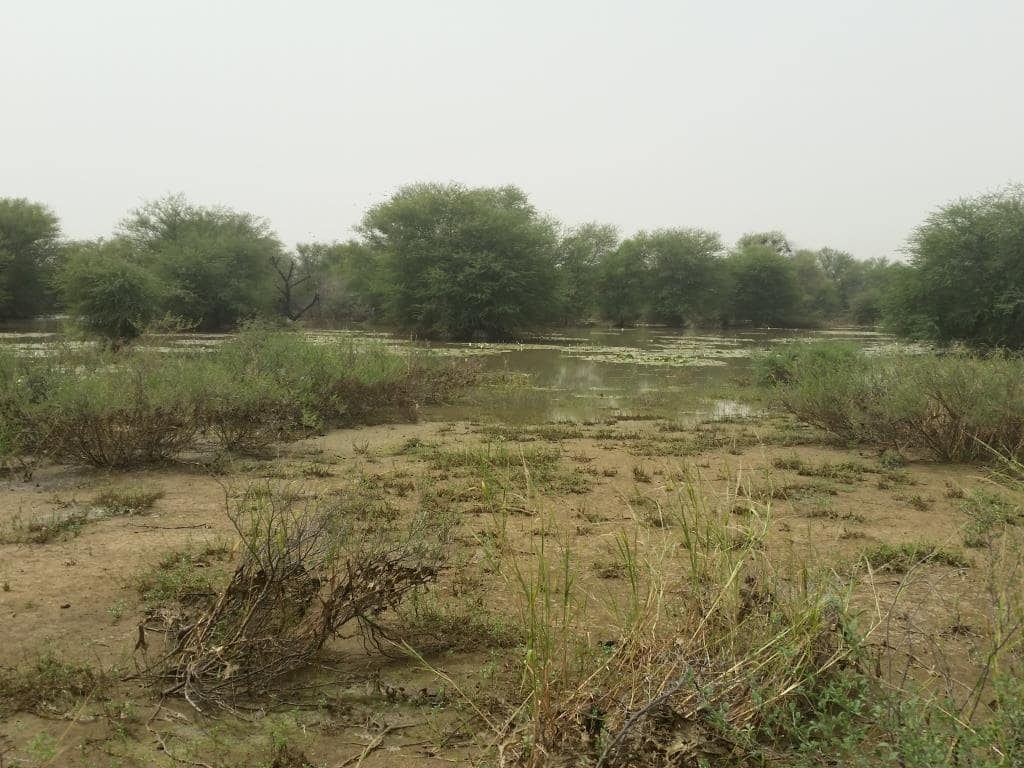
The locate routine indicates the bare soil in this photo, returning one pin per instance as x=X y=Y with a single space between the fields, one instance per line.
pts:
x=77 y=595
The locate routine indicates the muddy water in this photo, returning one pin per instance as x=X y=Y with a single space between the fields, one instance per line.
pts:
x=595 y=374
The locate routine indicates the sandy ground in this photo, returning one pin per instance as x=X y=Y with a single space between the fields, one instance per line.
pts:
x=78 y=596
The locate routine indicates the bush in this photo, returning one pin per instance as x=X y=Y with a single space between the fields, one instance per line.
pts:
x=952 y=407
x=108 y=292
x=144 y=405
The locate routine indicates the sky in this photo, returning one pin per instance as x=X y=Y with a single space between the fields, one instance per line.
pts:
x=840 y=123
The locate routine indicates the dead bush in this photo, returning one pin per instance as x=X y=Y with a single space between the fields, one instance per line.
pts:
x=307 y=570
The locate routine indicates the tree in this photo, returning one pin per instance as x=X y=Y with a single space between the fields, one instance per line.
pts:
x=819 y=296
x=349 y=277
x=107 y=291
x=687 y=276
x=764 y=286
x=292 y=279
x=29 y=246
x=966 y=276
x=774 y=239
x=465 y=262
x=217 y=263
x=580 y=254
x=625 y=283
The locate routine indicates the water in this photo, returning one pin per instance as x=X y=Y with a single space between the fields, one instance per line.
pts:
x=581 y=374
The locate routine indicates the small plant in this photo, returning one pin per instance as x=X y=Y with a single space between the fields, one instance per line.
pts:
x=129 y=501
x=891 y=459
x=116 y=611
x=641 y=475
x=50 y=683
x=987 y=512
x=179 y=578
x=899 y=558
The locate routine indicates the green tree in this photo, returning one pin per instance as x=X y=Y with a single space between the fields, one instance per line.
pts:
x=966 y=277
x=774 y=239
x=107 y=291
x=764 y=283
x=624 y=281
x=350 y=278
x=687 y=276
x=217 y=263
x=819 y=295
x=867 y=296
x=466 y=262
x=29 y=247
x=580 y=254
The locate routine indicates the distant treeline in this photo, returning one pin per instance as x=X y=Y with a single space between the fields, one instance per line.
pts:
x=449 y=261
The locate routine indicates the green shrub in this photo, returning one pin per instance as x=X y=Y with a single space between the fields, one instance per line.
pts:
x=952 y=407
x=144 y=405
x=902 y=557
x=986 y=512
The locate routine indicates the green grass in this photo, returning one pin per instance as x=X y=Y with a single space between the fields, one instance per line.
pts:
x=953 y=407
x=987 y=513
x=50 y=684
x=181 y=577
x=899 y=558
x=261 y=386
x=127 y=501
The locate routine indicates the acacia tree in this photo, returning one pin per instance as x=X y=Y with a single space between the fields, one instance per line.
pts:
x=29 y=246
x=687 y=276
x=764 y=284
x=966 y=276
x=107 y=291
x=625 y=283
x=465 y=262
x=580 y=254
x=217 y=263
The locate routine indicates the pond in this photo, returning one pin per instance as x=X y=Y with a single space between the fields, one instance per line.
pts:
x=577 y=374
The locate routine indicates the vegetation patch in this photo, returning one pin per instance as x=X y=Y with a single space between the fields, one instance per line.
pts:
x=50 y=685
x=953 y=407
x=899 y=558
x=304 y=572
x=130 y=408
x=987 y=512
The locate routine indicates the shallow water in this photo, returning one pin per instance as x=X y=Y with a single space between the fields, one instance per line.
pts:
x=577 y=374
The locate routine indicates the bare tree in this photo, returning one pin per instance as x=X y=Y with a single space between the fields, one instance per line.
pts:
x=289 y=282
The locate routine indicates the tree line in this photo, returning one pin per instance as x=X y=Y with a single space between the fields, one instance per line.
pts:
x=456 y=262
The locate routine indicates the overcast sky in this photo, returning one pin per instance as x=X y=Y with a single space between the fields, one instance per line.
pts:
x=842 y=123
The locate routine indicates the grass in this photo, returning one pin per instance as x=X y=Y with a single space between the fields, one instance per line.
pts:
x=180 y=578
x=261 y=386
x=511 y=468
x=50 y=685
x=843 y=471
x=68 y=519
x=899 y=558
x=127 y=501
x=953 y=407
x=987 y=513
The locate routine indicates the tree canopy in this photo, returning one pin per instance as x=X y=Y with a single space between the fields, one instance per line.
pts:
x=217 y=264
x=111 y=294
x=29 y=248
x=966 y=276
x=465 y=262
x=458 y=262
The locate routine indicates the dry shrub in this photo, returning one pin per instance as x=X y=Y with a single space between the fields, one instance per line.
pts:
x=306 y=571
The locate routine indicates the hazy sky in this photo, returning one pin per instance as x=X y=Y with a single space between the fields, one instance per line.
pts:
x=842 y=123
